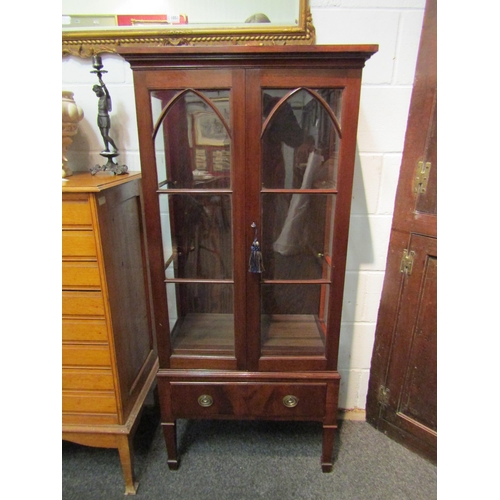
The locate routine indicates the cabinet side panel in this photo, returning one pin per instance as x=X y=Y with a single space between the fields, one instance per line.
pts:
x=120 y=221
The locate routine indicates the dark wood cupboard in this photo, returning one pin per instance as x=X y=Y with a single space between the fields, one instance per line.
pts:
x=247 y=158
x=402 y=393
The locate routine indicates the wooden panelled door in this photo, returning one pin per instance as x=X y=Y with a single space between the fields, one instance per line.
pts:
x=402 y=394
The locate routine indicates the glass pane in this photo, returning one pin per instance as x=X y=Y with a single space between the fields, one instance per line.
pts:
x=300 y=143
x=203 y=318
x=197 y=235
x=294 y=319
x=192 y=143
x=296 y=235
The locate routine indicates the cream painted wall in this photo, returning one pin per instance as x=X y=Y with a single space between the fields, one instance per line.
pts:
x=387 y=83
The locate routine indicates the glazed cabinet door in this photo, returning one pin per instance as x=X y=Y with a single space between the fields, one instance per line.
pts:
x=247 y=181
x=193 y=125
x=299 y=174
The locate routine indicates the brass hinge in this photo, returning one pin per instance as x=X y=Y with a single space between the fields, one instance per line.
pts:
x=407 y=262
x=421 y=177
x=383 y=395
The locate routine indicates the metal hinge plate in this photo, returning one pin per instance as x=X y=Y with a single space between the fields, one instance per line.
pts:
x=421 y=177
x=407 y=261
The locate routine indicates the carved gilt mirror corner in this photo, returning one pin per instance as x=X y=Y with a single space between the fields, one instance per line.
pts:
x=99 y=26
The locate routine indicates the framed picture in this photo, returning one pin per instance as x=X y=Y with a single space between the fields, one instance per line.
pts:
x=209 y=130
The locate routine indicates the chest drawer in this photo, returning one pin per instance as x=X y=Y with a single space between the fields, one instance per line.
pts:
x=86 y=330
x=85 y=355
x=87 y=379
x=255 y=400
x=83 y=275
x=76 y=210
x=78 y=244
x=88 y=402
x=82 y=304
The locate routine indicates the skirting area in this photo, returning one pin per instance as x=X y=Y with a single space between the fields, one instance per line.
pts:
x=233 y=460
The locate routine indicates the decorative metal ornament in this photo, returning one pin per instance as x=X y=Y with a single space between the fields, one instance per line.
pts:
x=104 y=123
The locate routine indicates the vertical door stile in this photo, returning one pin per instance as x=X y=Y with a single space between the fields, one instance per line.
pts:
x=240 y=174
x=145 y=126
x=252 y=213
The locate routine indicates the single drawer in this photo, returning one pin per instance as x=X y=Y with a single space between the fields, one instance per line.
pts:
x=84 y=330
x=78 y=244
x=254 y=400
x=86 y=379
x=85 y=355
x=77 y=211
x=82 y=304
x=83 y=275
x=88 y=402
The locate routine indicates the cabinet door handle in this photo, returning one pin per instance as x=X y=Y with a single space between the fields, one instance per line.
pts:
x=255 y=263
x=290 y=401
x=205 y=400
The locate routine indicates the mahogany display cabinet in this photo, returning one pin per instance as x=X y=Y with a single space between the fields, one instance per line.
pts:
x=247 y=158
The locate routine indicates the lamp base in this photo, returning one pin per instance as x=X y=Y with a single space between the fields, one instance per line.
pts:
x=110 y=165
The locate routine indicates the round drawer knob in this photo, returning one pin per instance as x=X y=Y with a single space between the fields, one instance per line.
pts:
x=290 y=401
x=205 y=400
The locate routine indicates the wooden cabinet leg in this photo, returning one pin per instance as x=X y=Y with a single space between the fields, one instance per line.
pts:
x=326 y=457
x=125 y=449
x=170 y=435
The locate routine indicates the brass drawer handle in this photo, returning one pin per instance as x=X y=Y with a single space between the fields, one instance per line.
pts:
x=205 y=400
x=290 y=401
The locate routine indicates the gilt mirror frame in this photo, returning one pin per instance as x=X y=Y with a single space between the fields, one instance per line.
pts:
x=86 y=43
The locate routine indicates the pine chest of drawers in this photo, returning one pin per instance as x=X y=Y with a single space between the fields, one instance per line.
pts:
x=109 y=360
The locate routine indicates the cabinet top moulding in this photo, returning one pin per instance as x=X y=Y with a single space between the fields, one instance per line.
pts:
x=84 y=182
x=349 y=56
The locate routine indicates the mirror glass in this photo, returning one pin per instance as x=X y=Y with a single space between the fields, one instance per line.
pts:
x=94 y=27
x=181 y=14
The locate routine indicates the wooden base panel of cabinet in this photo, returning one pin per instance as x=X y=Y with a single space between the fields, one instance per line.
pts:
x=115 y=436
x=249 y=396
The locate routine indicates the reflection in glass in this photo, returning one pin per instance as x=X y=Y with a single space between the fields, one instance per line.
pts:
x=302 y=234
x=299 y=126
x=197 y=236
x=192 y=141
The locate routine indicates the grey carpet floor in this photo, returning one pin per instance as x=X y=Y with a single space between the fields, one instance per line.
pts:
x=230 y=460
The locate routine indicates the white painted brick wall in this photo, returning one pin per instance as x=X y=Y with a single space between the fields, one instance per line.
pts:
x=387 y=82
